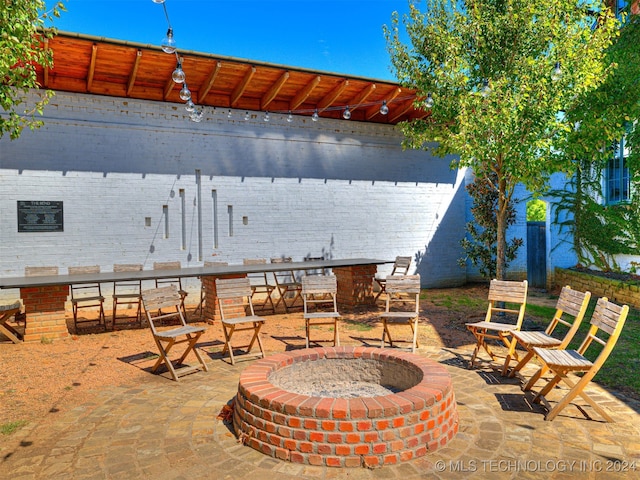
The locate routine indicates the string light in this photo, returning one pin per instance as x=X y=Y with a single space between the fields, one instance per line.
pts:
x=428 y=102
x=556 y=74
x=168 y=45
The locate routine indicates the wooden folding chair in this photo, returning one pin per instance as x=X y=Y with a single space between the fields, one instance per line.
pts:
x=168 y=299
x=237 y=314
x=505 y=297
x=400 y=267
x=87 y=295
x=6 y=312
x=127 y=292
x=177 y=281
x=200 y=307
x=607 y=320
x=402 y=307
x=260 y=286
x=289 y=289
x=570 y=309
x=319 y=294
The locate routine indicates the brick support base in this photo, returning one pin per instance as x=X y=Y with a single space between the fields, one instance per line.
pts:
x=211 y=310
x=45 y=311
x=355 y=285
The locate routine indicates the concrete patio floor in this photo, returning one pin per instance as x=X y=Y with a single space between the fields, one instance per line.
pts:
x=166 y=430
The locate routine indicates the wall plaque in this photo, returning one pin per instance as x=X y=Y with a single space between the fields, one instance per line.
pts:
x=40 y=216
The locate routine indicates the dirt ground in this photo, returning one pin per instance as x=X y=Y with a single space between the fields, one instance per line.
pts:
x=38 y=378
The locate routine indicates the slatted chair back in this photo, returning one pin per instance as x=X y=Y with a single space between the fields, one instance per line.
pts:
x=320 y=305
x=40 y=271
x=127 y=292
x=237 y=314
x=200 y=307
x=402 y=307
x=87 y=295
x=400 y=267
x=177 y=281
x=571 y=307
x=507 y=304
x=163 y=304
x=606 y=325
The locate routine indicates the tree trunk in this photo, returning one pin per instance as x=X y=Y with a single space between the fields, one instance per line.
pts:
x=501 y=234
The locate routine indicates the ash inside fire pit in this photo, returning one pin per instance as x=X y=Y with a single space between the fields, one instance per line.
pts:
x=346 y=378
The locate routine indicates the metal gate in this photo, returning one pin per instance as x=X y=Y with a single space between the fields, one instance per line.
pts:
x=537 y=254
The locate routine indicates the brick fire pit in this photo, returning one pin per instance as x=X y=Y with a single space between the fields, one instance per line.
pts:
x=345 y=406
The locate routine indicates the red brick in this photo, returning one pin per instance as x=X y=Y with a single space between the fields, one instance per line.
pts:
x=329 y=425
x=343 y=450
x=346 y=426
x=362 y=449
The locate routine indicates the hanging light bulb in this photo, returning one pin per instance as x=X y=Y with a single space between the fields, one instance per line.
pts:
x=315 y=115
x=383 y=108
x=556 y=73
x=290 y=117
x=266 y=116
x=428 y=102
x=178 y=75
x=246 y=116
x=185 y=93
x=196 y=116
x=486 y=89
x=347 y=113
x=158 y=1
x=190 y=106
x=229 y=114
x=168 y=43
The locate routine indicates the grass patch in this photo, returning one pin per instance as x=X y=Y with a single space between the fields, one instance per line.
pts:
x=9 y=428
x=357 y=326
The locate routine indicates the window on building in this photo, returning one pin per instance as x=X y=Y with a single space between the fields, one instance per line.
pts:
x=618 y=181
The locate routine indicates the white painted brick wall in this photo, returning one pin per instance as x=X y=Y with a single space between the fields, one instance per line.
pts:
x=342 y=189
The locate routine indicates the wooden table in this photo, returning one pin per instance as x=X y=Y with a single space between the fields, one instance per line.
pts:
x=44 y=297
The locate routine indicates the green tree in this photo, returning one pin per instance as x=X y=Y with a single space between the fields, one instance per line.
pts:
x=21 y=50
x=488 y=67
x=536 y=211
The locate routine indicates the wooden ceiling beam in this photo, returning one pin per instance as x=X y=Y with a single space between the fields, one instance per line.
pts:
x=134 y=72
x=208 y=83
x=402 y=109
x=304 y=93
x=375 y=109
x=242 y=86
x=273 y=91
x=362 y=96
x=92 y=66
x=329 y=98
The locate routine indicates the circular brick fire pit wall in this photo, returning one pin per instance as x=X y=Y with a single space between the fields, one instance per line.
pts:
x=371 y=407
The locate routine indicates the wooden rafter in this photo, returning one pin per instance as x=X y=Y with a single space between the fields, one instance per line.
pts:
x=92 y=66
x=242 y=86
x=362 y=96
x=211 y=78
x=167 y=88
x=274 y=90
x=304 y=93
x=134 y=72
x=328 y=99
x=375 y=109
x=400 y=110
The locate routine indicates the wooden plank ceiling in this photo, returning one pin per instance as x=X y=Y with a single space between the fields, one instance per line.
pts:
x=101 y=66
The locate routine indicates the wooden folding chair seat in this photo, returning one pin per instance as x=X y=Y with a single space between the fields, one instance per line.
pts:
x=87 y=296
x=127 y=292
x=289 y=289
x=237 y=314
x=505 y=297
x=319 y=294
x=570 y=309
x=6 y=312
x=177 y=281
x=400 y=267
x=607 y=320
x=402 y=307
x=167 y=299
x=261 y=289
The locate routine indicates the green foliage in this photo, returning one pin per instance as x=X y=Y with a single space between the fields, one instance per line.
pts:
x=508 y=136
x=479 y=246
x=21 y=50
x=601 y=117
x=10 y=427
x=536 y=211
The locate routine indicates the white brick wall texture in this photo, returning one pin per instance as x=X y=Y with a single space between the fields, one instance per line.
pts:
x=334 y=188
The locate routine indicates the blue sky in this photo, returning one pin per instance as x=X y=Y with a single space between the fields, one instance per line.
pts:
x=339 y=36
